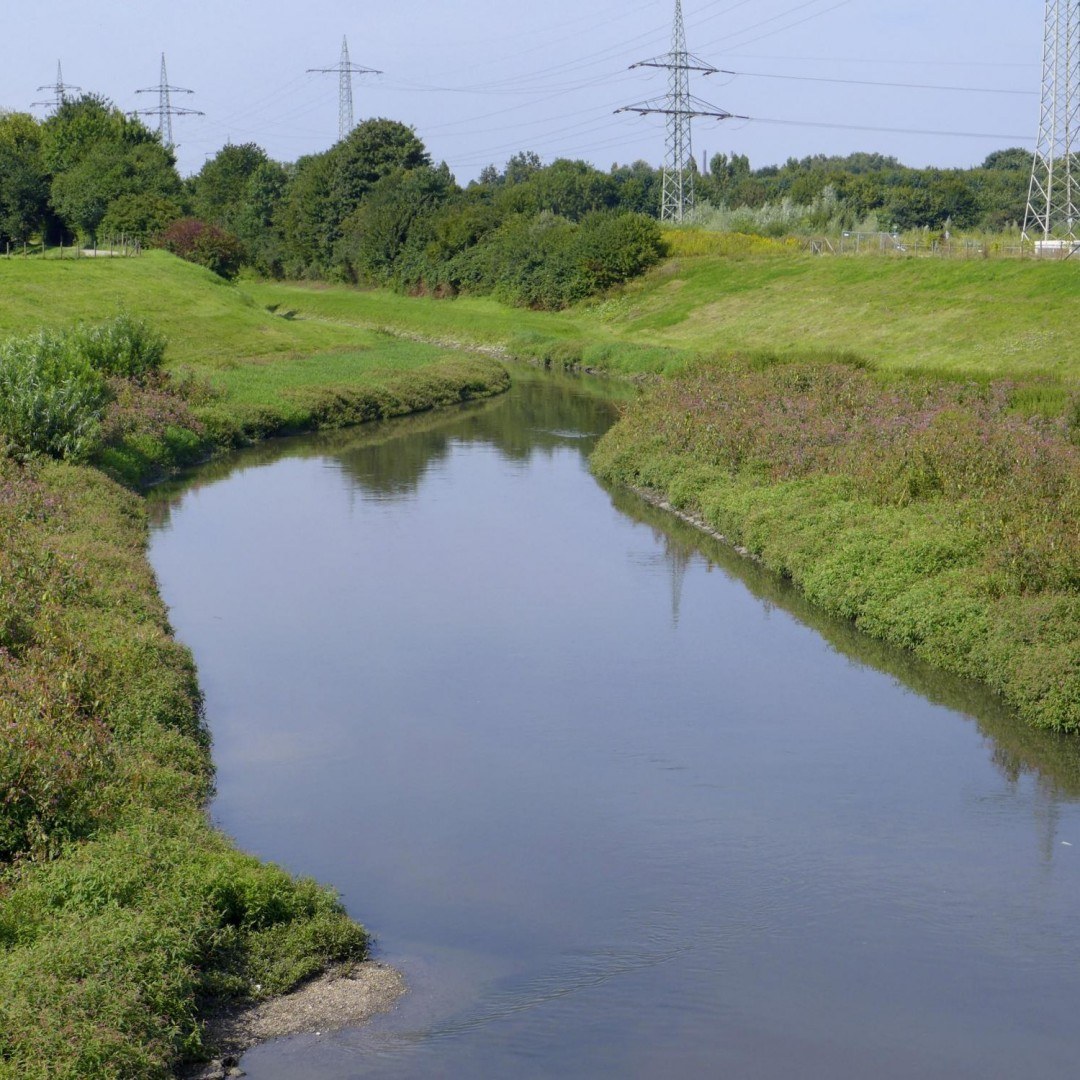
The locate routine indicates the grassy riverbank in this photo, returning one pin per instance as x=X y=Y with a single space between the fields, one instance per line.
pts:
x=931 y=515
x=969 y=319
x=123 y=912
x=901 y=489
x=123 y=916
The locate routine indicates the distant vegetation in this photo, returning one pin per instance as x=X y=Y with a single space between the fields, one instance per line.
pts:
x=376 y=209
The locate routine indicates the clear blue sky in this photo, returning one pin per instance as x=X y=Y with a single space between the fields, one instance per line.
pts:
x=480 y=79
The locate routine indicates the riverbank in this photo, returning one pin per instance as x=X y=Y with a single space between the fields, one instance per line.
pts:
x=932 y=516
x=124 y=912
x=126 y=919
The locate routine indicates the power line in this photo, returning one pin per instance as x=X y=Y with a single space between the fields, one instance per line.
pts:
x=871 y=82
x=60 y=91
x=345 y=71
x=680 y=109
x=890 y=130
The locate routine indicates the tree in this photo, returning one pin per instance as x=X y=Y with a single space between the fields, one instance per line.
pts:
x=377 y=233
x=24 y=185
x=219 y=190
x=95 y=155
x=83 y=193
x=327 y=188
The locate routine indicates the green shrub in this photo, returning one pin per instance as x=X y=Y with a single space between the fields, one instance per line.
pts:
x=205 y=244
x=122 y=346
x=613 y=248
x=51 y=398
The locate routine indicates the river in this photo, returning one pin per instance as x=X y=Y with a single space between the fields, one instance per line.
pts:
x=615 y=801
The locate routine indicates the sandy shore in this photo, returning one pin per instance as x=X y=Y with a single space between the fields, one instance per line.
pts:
x=344 y=997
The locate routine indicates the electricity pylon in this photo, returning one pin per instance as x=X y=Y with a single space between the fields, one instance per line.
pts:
x=166 y=110
x=345 y=71
x=680 y=108
x=60 y=91
x=1055 y=176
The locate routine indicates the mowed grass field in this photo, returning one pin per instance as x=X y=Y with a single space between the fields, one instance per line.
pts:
x=216 y=330
x=961 y=319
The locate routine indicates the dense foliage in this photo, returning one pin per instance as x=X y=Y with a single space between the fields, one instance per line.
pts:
x=375 y=207
x=871 y=191
x=204 y=244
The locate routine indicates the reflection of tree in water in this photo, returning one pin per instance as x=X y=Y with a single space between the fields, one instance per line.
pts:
x=1016 y=749
x=541 y=413
x=537 y=415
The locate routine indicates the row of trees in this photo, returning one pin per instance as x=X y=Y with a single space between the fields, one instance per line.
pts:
x=992 y=196
x=375 y=207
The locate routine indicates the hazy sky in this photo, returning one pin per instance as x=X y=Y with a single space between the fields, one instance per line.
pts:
x=481 y=79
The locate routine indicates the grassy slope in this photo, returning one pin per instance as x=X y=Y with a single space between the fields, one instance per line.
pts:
x=962 y=318
x=270 y=374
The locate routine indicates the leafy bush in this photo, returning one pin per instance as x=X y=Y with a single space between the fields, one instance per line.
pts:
x=205 y=244
x=613 y=248
x=122 y=347
x=51 y=398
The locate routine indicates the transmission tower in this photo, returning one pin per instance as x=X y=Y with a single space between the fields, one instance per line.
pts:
x=680 y=108
x=1055 y=176
x=59 y=89
x=166 y=110
x=345 y=71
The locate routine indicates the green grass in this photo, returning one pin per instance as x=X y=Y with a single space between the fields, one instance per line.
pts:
x=266 y=371
x=969 y=319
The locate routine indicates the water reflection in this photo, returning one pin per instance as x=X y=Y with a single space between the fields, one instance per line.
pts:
x=1015 y=748
x=547 y=413
x=597 y=781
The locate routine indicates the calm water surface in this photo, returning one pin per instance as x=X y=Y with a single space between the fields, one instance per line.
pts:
x=617 y=804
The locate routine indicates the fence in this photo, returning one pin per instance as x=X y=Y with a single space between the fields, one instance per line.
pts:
x=115 y=247
x=927 y=245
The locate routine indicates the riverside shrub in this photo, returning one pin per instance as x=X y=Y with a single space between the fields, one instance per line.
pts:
x=204 y=244
x=51 y=398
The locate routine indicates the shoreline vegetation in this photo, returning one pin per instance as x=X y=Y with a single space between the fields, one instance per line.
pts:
x=900 y=440
x=126 y=920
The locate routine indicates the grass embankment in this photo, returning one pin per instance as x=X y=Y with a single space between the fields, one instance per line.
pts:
x=241 y=373
x=961 y=545
x=121 y=910
x=973 y=319
x=123 y=915
x=931 y=515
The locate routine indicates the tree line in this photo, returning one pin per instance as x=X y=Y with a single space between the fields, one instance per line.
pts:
x=376 y=208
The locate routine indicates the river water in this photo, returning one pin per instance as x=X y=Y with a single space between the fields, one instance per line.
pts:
x=614 y=800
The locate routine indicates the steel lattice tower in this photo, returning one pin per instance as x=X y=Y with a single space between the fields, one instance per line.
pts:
x=60 y=90
x=1055 y=177
x=680 y=108
x=345 y=71
x=166 y=110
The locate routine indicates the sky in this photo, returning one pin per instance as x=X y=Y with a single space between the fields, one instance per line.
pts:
x=482 y=79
